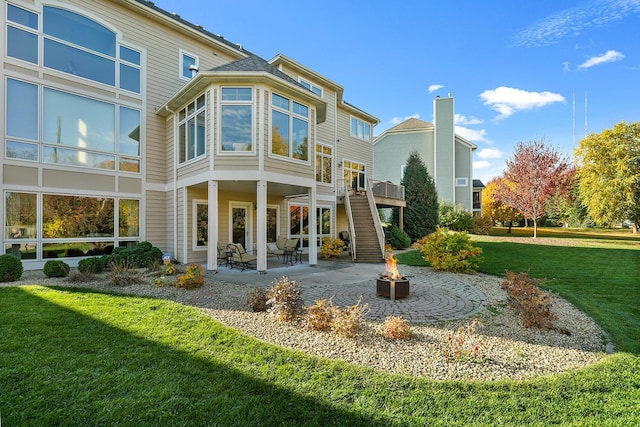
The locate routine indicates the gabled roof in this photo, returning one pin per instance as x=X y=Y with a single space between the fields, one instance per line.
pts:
x=251 y=69
x=411 y=124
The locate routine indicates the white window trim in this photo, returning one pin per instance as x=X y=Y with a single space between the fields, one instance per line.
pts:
x=312 y=86
x=356 y=134
x=366 y=172
x=462 y=182
x=277 y=208
x=181 y=63
x=194 y=225
x=290 y=113
x=333 y=159
x=207 y=100
x=301 y=236
x=254 y=108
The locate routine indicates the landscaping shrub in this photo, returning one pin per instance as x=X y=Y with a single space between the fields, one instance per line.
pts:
x=482 y=225
x=395 y=327
x=454 y=217
x=93 y=265
x=10 y=268
x=449 y=251
x=283 y=299
x=346 y=322
x=464 y=342
x=398 y=238
x=193 y=277
x=257 y=300
x=530 y=302
x=56 y=268
x=319 y=316
x=123 y=274
x=142 y=255
x=331 y=247
x=77 y=276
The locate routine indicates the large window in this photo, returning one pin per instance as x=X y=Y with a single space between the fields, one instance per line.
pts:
x=354 y=175
x=299 y=223
x=360 y=129
x=191 y=130
x=73 y=44
x=75 y=130
x=237 y=120
x=71 y=225
x=324 y=163
x=289 y=128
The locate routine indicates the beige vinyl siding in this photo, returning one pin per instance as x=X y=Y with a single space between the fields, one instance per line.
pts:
x=129 y=185
x=159 y=220
x=350 y=148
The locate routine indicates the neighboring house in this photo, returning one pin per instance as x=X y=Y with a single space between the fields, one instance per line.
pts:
x=478 y=186
x=124 y=122
x=447 y=156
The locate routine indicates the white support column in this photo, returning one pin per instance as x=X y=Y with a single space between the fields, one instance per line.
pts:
x=261 y=223
x=313 y=229
x=212 y=226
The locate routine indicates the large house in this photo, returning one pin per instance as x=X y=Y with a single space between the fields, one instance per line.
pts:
x=124 y=122
x=447 y=156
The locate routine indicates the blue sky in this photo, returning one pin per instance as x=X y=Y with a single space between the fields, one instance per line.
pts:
x=519 y=70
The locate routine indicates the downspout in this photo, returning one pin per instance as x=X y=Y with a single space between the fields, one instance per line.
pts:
x=175 y=181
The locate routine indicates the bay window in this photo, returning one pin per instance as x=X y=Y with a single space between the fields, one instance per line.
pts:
x=237 y=120
x=191 y=130
x=289 y=128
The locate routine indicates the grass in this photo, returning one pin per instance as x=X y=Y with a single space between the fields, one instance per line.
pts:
x=72 y=357
x=75 y=357
x=599 y=276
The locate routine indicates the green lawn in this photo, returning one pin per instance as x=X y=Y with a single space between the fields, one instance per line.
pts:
x=71 y=357
x=75 y=357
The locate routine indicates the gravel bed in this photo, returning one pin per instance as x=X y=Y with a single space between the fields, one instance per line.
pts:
x=506 y=349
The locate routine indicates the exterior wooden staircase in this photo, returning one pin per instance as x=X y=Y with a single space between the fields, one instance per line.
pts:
x=366 y=239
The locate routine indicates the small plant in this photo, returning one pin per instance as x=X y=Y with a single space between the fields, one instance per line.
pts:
x=331 y=247
x=532 y=303
x=319 y=316
x=158 y=281
x=123 y=274
x=398 y=238
x=482 y=225
x=283 y=299
x=193 y=277
x=396 y=328
x=10 y=268
x=77 y=276
x=346 y=322
x=449 y=251
x=169 y=268
x=464 y=343
x=91 y=265
x=257 y=300
x=56 y=268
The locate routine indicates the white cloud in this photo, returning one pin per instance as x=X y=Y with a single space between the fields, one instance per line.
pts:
x=508 y=100
x=463 y=120
x=397 y=120
x=433 y=88
x=472 y=134
x=489 y=153
x=610 y=56
x=574 y=21
x=481 y=164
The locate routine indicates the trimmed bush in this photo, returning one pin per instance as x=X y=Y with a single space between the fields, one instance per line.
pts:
x=454 y=217
x=142 y=255
x=56 y=268
x=398 y=238
x=10 y=268
x=449 y=251
x=331 y=247
x=91 y=265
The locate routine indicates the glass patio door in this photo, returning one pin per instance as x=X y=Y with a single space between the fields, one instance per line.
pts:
x=240 y=224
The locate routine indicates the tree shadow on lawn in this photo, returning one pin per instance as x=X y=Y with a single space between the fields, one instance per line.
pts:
x=104 y=367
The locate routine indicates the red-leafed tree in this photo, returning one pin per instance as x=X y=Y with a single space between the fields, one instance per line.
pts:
x=534 y=174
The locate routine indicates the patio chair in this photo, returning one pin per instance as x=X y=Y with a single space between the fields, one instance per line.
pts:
x=224 y=255
x=241 y=257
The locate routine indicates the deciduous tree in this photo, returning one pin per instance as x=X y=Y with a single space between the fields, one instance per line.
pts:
x=533 y=175
x=494 y=208
x=421 y=213
x=609 y=174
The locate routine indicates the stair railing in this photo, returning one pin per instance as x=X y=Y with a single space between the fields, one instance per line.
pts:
x=352 y=231
x=375 y=216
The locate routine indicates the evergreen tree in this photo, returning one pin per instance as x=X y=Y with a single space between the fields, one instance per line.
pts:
x=421 y=213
